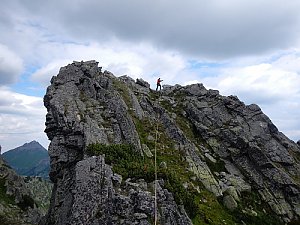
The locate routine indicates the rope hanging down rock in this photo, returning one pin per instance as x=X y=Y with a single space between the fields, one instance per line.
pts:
x=155 y=181
x=155 y=167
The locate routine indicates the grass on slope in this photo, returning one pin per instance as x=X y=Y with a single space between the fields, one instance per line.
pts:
x=201 y=206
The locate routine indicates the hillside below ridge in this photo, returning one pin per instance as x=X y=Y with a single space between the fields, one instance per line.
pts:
x=220 y=161
x=23 y=200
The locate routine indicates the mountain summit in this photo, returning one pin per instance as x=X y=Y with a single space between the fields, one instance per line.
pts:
x=215 y=160
x=30 y=159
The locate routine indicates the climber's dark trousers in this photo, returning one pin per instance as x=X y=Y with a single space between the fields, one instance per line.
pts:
x=158 y=85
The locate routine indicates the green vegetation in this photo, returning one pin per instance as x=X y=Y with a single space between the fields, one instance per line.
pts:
x=40 y=191
x=130 y=164
x=125 y=160
x=218 y=166
x=201 y=206
x=6 y=199
x=145 y=128
x=213 y=211
x=153 y=95
x=26 y=202
x=192 y=134
x=6 y=221
x=252 y=201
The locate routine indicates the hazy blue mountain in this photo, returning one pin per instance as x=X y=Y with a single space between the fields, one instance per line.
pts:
x=30 y=159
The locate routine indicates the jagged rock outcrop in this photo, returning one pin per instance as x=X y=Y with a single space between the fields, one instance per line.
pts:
x=84 y=107
x=231 y=149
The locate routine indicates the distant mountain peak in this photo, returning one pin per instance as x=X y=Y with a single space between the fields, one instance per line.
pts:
x=30 y=159
x=33 y=146
x=34 y=142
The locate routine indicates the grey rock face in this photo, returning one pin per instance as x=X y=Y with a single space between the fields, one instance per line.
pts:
x=230 y=202
x=247 y=138
x=229 y=147
x=103 y=203
x=87 y=106
x=142 y=83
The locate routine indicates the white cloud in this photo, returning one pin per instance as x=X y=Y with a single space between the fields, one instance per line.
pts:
x=137 y=61
x=263 y=83
x=11 y=66
x=285 y=115
x=209 y=29
x=44 y=74
x=152 y=39
x=22 y=119
x=191 y=82
x=289 y=62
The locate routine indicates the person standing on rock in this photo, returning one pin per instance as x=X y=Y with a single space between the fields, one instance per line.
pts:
x=158 y=84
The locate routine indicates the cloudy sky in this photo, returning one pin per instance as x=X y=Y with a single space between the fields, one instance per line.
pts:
x=247 y=48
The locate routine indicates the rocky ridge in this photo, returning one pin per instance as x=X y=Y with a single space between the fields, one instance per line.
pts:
x=231 y=149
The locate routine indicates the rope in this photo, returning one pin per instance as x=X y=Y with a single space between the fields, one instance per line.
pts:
x=155 y=171
x=155 y=181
